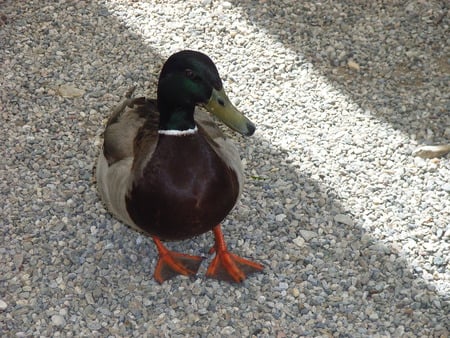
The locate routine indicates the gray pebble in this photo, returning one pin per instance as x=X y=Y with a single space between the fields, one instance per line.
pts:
x=94 y=325
x=438 y=260
x=344 y=219
x=58 y=320
x=308 y=235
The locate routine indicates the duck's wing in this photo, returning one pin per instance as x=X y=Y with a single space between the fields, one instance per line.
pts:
x=123 y=127
x=223 y=147
x=130 y=139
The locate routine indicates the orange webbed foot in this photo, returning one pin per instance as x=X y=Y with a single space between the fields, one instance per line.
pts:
x=227 y=266
x=231 y=268
x=171 y=264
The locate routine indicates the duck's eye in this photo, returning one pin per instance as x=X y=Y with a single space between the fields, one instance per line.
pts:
x=221 y=102
x=190 y=74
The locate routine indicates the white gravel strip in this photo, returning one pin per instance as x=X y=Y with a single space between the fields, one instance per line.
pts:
x=354 y=230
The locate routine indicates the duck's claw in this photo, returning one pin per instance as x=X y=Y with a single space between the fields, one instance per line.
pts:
x=171 y=264
x=231 y=268
x=227 y=266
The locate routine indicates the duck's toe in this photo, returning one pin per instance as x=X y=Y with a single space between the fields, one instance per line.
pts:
x=171 y=264
x=231 y=268
x=227 y=266
x=174 y=263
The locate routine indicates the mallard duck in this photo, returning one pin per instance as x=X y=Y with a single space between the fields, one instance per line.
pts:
x=168 y=171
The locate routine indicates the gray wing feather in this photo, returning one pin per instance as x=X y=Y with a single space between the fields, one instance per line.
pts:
x=223 y=146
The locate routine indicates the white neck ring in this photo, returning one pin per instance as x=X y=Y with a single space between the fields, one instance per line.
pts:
x=174 y=132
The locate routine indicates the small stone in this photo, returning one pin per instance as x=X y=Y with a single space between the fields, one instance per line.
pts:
x=226 y=5
x=299 y=241
x=295 y=292
x=317 y=300
x=69 y=91
x=371 y=313
x=446 y=187
x=58 y=320
x=97 y=93
x=94 y=325
x=280 y=217
x=373 y=316
x=283 y=285
x=308 y=235
x=3 y=305
x=18 y=260
x=399 y=331
x=89 y=298
x=353 y=65
x=89 y=310
x=344 y=219
x=438 y=260
x=227 y=330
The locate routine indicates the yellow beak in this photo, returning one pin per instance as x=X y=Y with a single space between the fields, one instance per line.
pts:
x=219 y=104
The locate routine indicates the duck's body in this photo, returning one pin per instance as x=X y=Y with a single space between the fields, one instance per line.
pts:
x=174 y=175
x=188 y=183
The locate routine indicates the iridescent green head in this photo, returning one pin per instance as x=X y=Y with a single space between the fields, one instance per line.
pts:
x=190 y=78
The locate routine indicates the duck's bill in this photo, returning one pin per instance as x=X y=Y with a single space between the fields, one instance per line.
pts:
x=219 y=104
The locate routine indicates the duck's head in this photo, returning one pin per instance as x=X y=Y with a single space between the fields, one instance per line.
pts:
x=190 y=78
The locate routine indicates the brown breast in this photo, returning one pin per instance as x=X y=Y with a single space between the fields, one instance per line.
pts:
x=185 y=190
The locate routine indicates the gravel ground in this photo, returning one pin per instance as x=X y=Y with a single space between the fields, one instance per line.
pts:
x=354 y=231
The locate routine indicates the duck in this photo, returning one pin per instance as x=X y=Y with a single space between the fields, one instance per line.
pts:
x=168 y=171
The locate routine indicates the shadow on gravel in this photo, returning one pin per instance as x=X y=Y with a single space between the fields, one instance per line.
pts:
x=355 y=277
x=99 y=272
x=400 y=47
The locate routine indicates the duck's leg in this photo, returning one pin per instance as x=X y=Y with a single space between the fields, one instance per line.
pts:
x=227 y=266
x=172 y=263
